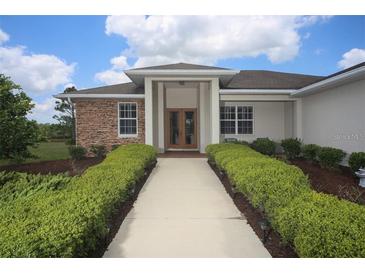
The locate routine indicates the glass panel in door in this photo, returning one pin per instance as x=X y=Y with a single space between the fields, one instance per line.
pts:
x=174 y=127
x=189 y=125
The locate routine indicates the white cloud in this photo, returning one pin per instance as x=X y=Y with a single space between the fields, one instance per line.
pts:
x=111 y=77
x=157 y=40
x=115 y=74
x=351 y=58
x=119 y=62
x=44 y=111
x=36 y=73
x=206 y=39
x=3 y=37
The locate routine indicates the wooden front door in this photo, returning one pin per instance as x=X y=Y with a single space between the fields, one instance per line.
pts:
x=181 y=128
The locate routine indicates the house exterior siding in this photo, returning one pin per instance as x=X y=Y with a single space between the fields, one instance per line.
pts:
x=97 y=122
x=336 y=117
x=270 y=119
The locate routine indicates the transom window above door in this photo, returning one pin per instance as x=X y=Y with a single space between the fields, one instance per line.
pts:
x=236 y=120
x=127 y=119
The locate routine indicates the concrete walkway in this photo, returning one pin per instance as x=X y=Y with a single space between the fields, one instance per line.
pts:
x=184 y=211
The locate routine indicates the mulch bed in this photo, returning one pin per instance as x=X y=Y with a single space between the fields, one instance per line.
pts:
x=273 y=243
x=341 y=183
x=121 y=212
x=73 y=168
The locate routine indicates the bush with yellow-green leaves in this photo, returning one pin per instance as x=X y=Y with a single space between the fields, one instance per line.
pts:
x=59 y=216
x=316 y=224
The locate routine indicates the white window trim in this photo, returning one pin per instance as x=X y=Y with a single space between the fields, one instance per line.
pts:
x=236 y=120
x=229 y=120
x=253 y=119
x=127 y=135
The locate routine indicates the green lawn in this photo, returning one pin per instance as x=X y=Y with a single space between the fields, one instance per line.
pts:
x=46 y=152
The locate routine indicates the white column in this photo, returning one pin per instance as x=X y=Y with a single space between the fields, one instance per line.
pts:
x=161 y=108
x=148 y=111
x=214 y=92
x=202 y=125
x=298 y=118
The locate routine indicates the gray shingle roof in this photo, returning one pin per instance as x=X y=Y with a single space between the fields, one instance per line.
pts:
x=245 y=79
x=263 y=79
x=346 y=70
x=125 y=88
x=181 y=66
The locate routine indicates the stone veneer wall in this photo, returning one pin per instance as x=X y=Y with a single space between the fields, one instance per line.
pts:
x=97 y=122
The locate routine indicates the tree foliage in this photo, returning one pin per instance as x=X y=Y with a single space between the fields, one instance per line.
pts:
x=66 y=118
x=17 y=133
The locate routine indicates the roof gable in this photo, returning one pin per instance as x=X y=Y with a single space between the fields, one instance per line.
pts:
x=182 y=66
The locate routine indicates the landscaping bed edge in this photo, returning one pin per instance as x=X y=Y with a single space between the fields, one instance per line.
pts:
x=116 y=219
x=273 y=242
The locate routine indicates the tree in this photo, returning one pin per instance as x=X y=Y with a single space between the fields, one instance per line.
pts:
x=67 y=117
x=17 y=133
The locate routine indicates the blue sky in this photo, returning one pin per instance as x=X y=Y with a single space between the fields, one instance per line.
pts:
x=46 y=53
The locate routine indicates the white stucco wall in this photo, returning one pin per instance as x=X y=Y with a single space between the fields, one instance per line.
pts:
x=336 y=117
x=288 y=119
x=204 y=117
x=181 y=97
x=269 y=121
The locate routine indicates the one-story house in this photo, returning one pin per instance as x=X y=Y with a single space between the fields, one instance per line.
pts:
x=186 y=107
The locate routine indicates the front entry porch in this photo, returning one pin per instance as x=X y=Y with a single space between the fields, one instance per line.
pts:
x=181 y=114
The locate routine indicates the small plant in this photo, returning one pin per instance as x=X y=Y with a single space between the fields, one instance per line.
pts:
x=310 y=152
x=264 y=146
x=291 y=147
x=77 y=152
x=98 y=150
x=357 y=160
x=330 y=157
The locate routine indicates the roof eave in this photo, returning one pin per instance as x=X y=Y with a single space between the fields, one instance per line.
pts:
x=256 y=91
x=357 y=73
x=91 y=96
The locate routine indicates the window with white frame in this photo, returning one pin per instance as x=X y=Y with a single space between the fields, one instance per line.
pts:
x=228 y=120
x=128 y=119
x=244 y=120
x=236 y=119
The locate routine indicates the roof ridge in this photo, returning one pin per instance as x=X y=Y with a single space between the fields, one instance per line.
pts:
x=282 y=72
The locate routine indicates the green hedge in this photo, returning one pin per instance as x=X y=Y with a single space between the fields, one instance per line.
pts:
x=291 y=147
x=357 y=161
x=330 y=157
x=70 y=220
x=264 y=146
x=318 y=225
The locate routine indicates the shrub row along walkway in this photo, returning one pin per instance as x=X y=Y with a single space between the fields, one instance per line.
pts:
x=184 y=211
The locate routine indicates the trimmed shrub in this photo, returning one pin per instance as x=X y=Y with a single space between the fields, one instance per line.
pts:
x=357 y=160
x=98 y=150
x=77 y=152
x=310 y=152
x=330 y=157
x=321 y=225
x=264 y=146
x=317 y=224
x=70 y=220
x=212 y=149
x=268 y=183
x=291 y=147
x=222 y=158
